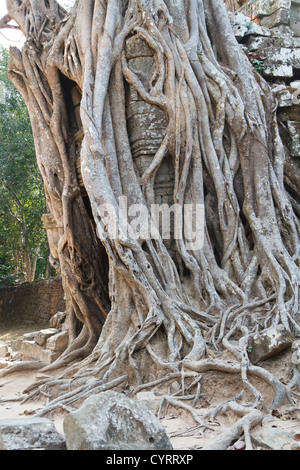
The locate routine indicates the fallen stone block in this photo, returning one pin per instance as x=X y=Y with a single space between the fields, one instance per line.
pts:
x=48 y=357
x=30 y=434
x=151 y=400
x=243 y=26
x=58 y=342
x=111 y=421
x=3 y=350
x=29 y=336
x=258 y=43
x=16 y=344
x=285 y=95
x=261 y=8
x=279 y=71
x=42 y=336
x=273 y=438
x=30 y=351
x=269 y=343
x=279 y=17
x=57 y=320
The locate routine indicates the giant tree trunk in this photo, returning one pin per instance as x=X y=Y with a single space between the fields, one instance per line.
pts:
x=154 y=101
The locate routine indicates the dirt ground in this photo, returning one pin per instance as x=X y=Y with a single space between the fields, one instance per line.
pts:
x=216 y=388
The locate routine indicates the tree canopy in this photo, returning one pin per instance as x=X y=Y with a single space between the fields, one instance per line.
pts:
x=23 y=243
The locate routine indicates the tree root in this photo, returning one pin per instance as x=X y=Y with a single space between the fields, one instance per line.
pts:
x=179 y=404
x=22 y=367
x=84 y=392
x=250 y=417
x=235 y=367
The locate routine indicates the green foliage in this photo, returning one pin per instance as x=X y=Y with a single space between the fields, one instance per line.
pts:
x=22 y=200
x=259 y=65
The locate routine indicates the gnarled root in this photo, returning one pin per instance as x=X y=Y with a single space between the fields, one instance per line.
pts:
x=251 y=417
x=22 y=367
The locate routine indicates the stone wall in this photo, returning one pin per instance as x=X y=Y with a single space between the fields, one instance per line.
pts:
x=267 y=31
x=33 y=302
x=269 y=13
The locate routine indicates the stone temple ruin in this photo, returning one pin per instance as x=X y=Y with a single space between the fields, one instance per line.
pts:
x=269 y=32
x=271 y=28
x=270 y=13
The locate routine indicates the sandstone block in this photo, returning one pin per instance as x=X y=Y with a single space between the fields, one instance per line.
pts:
x=273 y=439
x=16 y=344
x=58 y=342
x=30 y=434
x=137 y=47
x=29 y=336
x=261 y=8
x=279 y=17
x=3 y=350
x=269 y=343
x=57 y=320
x=42 y=336
x=30 y=351
x=48 y=357
x=111 y=421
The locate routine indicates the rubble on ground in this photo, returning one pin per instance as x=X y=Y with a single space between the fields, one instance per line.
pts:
x=44 y=345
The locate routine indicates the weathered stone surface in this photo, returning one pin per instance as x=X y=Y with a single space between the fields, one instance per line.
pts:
x=58 y=342
x=264 y=8
x=270 y=13
x=269 y=343
x=243 y=26
x=256 y=43
x=57 y=320
x=282 y=56
x=34 y=302
x=3 y=350
x=30 y=434
x=30 y=351
x=48 y=357
x=273 y=438
x=42 y=336
x=286 y=95
x=111 y=421
x=295 y=17
x=294 y=130
x=276 y=55
x=29 y=336
x=16 y=344
x=151 y=400
x=137 y=47
x=279 y=17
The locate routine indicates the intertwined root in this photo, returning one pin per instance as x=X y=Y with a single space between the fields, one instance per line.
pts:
x=181 y=389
